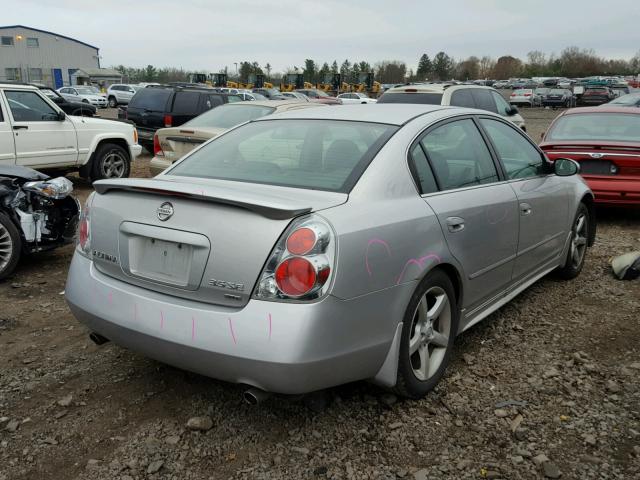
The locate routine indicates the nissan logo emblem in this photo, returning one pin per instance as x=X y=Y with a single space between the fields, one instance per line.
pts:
x=165 y=211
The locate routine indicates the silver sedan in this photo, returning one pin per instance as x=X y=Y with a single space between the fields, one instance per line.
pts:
x=322 y=246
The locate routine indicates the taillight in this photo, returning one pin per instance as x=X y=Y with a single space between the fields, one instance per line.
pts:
x=157 y=149
x=527 y=94
x=84 y=229
x=300 y=265
x=168 y=120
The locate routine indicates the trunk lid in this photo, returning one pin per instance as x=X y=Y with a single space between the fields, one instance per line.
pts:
x=613 y=159
x=209 y=245
x=177 y=142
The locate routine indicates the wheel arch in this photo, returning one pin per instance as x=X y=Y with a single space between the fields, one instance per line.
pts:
x=454 y=275
x=85 y=170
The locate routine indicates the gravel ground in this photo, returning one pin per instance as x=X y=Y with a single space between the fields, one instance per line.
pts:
x=548 y=386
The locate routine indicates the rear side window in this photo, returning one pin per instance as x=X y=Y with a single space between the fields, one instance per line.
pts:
x=313 y=154
x=186 y=103
x=211 y=101
x=151 y=99
x=463 y=98
x=426 y=180
x=459 y=156
x=421 y=98
x=484 y=100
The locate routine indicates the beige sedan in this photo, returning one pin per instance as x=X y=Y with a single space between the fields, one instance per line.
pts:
x=171 y=144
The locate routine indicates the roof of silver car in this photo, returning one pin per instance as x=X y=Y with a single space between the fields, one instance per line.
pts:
x=393 y=114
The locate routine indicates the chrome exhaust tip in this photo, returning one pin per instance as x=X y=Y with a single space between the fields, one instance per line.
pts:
x=254 y=396
x=97 y=338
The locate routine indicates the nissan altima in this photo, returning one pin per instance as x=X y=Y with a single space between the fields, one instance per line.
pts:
x=317 y=247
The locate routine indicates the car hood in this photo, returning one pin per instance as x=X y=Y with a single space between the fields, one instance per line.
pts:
x=90 y=123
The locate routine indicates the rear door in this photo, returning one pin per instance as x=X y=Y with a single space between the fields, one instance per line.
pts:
x=477 y=211
x=40 y=138
x=543 y=198
x=7 y=146
x=147 y=109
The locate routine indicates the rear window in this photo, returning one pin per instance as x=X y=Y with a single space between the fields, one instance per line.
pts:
x=521 y=92
x=312 y=154
x=229 y=115
x=597 y=126
x=151 y=99
x=422 y=98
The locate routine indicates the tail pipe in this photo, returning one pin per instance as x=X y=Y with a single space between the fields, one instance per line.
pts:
x=97 y=338
x=254 y=396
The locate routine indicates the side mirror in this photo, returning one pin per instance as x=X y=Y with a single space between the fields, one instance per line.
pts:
x=61 y=116
x=58 y=100
x=564 y=167
x=513 y=110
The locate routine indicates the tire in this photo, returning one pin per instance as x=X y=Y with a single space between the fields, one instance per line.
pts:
x=429 y=328
x=10 y=246
x=110 y=161
x=113 y=103
x=578 y=247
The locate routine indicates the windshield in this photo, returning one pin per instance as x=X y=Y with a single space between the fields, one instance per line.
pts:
x=522 y=92
x=597 y=126
x=421 y=98
x=313 y=154
x=85 y=91
x=557 y=91
x=229 y=115
x=626 y=100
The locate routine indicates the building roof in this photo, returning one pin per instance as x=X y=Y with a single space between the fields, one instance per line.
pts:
x=50 y=33
x=99 y=72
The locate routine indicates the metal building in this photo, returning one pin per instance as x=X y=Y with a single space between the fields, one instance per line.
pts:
x=37 y=56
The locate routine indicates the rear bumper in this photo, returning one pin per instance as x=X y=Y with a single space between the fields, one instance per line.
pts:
x=280 y=347
x=614 y=191
x=158 y=165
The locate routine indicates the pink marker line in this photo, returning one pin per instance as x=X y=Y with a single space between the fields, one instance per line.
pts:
x=161 y=320
x=269 y=327
x=374 y=241
x=233 y=334
x=420 y=263
x=193 y=328
x=135 y=312
x=110 y=298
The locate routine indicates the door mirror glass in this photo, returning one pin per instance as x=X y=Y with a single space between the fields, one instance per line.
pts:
x=564 y=167
x=58 y=99
x=61 y=116
x=513 y=110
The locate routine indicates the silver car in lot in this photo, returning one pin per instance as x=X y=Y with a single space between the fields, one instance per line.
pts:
x=322 y=246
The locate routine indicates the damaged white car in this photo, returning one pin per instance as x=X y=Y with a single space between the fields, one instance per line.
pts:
x=36 y=213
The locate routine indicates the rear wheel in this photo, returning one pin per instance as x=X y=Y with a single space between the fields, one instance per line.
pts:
x=578 y=246
x=10 y=246
x=429 y=328
x=113 y=103
x=110 y=161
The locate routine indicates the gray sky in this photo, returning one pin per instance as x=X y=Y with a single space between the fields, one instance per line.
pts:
x=209 y=35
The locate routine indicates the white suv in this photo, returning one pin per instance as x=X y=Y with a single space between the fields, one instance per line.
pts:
x=118 y=94
x=469 y=96
x=35 y=133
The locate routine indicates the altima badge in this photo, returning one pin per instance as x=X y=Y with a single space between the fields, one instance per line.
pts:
x=165 y=211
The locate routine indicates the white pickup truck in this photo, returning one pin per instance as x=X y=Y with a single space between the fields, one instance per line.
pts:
x=35 y=133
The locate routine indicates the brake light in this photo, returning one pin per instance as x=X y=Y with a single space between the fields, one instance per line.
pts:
x=527 y=94
x=300 y=265
x=84 y=229
x=168 y=120
x=301 y=241
x=157 y=149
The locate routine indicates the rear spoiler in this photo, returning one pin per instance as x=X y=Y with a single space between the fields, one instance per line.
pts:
x=270 y=206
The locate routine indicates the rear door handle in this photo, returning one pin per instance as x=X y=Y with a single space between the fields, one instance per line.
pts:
x=525 y=209
x=455 y=224
x=20 y=127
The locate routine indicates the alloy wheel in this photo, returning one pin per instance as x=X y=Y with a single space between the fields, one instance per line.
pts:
x=6 y=247
x=430 y=332
x=113 y=165
x=579 y=241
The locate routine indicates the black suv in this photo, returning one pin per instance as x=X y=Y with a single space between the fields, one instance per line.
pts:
x=161 y=106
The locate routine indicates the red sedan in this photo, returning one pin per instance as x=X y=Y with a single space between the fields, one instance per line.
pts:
x=606 y=142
